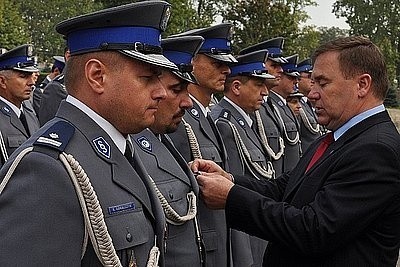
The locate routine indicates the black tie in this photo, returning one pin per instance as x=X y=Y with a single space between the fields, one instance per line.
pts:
x=22 y=118
x=128 y=153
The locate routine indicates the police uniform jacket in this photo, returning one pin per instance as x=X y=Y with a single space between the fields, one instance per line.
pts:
x=308 y=136
x=12 y=129
x=41 y=206
x=345 y=211
x=212 y=222
x=174 y=180
x=51 y=98
x=273 y=130
x=292 y=151
x=246 y=250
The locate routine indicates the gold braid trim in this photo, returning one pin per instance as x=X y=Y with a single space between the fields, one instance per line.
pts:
x=194 y=144
x=261 y=131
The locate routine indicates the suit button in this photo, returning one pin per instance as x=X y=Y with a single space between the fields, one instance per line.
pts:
x=129 y=237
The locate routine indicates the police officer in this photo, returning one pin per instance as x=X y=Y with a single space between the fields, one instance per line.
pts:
x=278 y=95
x=56 y=69
x=17 y=121
x=177 y=189
x=53 y=93
x=80 y=202
x=198 y=137
x=309 y=127
x=243 y=94
x=267 y=121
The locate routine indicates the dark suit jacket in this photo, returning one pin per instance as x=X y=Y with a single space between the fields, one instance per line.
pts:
x=344 y=212
x=42 y=217
x=12 y=130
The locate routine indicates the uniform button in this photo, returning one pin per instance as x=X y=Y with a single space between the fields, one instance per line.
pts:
x=129 y=237
x=171 y=196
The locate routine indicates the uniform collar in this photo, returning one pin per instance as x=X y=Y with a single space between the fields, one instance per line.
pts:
x=16 y=109
x=115 y=135
x=203 y=108
x=246 y=116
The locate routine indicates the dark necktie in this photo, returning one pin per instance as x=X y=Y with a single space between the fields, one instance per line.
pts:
x=328 y=139
x=128 y=154
x=22 y=118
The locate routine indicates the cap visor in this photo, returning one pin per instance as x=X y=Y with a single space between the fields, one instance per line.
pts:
x=153 y=59
x=293 y=74
x=228 y=58
x=264 y=76
x=278 y=59
x=189 y=77
x=27 y=69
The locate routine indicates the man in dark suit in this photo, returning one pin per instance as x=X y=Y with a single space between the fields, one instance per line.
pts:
x=87 y=200
x=243 y=94
x=177 y=189
x=17 y=120
x=341 y=209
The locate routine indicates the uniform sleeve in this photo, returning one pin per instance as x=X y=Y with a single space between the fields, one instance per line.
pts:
x=41 y=221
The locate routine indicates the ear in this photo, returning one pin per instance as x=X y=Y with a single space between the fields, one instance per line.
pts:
x=235 y=87
x=95 y=75
x=364 y=85
x=2 y=81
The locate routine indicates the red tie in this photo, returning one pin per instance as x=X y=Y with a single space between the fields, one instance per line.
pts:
x=328 y=139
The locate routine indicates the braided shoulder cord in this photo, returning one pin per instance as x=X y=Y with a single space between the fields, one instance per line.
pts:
x=3 y=150
x=290 y=141
x=194 y=144
x=268 y=173
x=261 y=131
x=171 y=215
x=307 y=123
x=92 y=212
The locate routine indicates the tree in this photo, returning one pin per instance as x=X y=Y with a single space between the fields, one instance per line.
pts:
x=41 y=16
x=259 y=20
x=13 y=29
x=377 y=20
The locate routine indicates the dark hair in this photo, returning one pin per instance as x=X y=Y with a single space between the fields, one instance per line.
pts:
x=358 y=55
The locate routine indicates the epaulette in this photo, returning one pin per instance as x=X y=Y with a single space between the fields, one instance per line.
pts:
x=59 y=78
x=57 y=136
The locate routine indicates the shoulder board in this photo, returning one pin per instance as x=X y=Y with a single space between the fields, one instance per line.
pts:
x=57 y=136
x=225 y=113
x=59 y=78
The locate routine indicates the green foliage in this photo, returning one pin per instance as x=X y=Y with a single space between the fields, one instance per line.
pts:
x=391 y=99
x=259 y=20
x=41 y=16
x=13 y=29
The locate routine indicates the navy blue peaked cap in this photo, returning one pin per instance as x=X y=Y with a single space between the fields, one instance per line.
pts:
x=290 y=68
x=181 y=50
x=217 y=41
x=20 y=58
x=274 y=47
x=133 y=29
x=305 y=65
x=251 y=64
x=59 y=62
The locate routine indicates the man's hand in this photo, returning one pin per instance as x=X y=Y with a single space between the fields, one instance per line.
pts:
x=201 y=165
x=214 y=189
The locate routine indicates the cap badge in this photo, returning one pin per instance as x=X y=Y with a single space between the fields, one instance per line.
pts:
x=102 y=146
